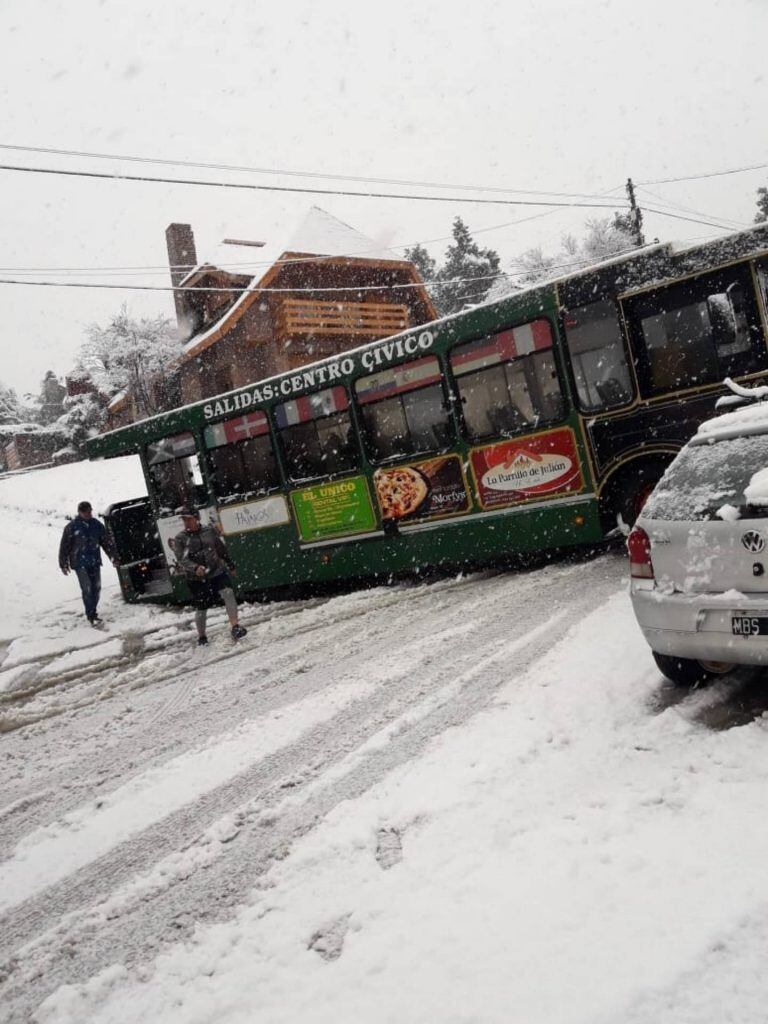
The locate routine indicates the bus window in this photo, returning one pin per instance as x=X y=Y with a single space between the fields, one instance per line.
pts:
x=508 y=382
x=316 y=435
x=241 y=457
x=174 y=470
x=696 y=332
x=403 y=410
x=761 y=269
x=597 y=356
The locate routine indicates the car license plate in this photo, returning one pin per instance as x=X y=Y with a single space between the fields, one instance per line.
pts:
x=749 y=625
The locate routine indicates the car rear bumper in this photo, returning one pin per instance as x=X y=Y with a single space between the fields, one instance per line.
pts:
x=699 y=626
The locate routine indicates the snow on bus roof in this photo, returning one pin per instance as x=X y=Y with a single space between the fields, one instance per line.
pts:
x=670 y=249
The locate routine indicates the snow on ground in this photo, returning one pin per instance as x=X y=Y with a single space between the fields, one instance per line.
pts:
x=566 y=856
x=473 y=800
x=34 y=508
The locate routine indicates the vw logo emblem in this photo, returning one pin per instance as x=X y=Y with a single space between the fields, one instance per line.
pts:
x=753 y=541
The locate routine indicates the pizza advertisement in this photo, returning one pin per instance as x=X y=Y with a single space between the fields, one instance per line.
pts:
x=423 y=490
x=541 y=465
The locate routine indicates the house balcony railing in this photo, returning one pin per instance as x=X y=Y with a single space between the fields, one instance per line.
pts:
x=300 y=317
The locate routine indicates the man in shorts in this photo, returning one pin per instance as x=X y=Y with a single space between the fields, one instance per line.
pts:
x=202 y=554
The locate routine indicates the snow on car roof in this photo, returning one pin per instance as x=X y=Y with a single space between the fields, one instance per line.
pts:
x=750 y=419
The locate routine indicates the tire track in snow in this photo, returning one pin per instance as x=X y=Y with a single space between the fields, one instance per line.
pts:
x=328 y=765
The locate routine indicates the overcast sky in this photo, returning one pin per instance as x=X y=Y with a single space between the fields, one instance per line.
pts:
x=566 y=95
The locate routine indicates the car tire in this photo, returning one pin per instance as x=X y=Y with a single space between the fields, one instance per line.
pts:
x=682 y=671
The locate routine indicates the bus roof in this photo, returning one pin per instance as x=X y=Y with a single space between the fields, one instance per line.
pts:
x=656 y=264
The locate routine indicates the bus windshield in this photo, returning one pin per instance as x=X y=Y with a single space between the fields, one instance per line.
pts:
x=174 y=470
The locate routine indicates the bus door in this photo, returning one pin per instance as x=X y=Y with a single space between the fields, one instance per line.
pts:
x=143 y=568
x=176 y=481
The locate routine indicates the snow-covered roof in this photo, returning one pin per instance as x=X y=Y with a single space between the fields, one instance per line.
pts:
x=319 y=233
x=322 y=234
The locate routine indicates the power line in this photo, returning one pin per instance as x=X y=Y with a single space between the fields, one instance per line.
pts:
x=705 y=174
x=288 y=173
x=516 y=265
x=691 y=220
x=165 y=267
x=671 y=205
x=295 y=189
x=243 y=291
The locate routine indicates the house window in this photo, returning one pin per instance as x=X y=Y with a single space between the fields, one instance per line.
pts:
x=508 y=382
x=403 y=410
x=241 y=457
x=316 y=435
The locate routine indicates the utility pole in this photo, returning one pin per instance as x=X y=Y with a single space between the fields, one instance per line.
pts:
x=635 y=215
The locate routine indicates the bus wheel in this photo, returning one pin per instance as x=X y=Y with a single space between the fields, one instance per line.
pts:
x=624 y=497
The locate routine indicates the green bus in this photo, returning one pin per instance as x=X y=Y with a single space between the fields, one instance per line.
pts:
x=532 y=423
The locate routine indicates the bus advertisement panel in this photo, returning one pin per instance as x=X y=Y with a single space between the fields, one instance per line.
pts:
x=527 y=467
x=334 y=509
x=429 y=489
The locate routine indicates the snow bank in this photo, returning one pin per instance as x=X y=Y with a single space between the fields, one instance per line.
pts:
x=34 y=507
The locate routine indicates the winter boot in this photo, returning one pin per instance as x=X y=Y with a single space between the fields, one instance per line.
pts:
x=238 y=632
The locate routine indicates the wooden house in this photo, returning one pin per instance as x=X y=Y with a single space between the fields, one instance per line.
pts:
x=328 y=289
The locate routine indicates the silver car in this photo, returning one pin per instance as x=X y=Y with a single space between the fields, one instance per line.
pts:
x=699 y=551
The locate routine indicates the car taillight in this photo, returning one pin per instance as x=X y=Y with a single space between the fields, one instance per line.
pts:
x=639 y=548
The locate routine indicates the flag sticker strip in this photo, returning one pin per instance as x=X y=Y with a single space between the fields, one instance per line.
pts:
x=503 y=347
x=238 y=429
x=397 y=380
x=312 y=407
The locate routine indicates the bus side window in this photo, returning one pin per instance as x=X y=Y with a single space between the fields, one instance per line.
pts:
x=761 y=270
x=174 y=470
x=241 y=457
x=316 y=435
x=508 y=382
x=696 y=332
x=403 y=411
x=598 y=359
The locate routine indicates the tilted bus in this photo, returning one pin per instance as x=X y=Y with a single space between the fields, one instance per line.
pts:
x=527 y=424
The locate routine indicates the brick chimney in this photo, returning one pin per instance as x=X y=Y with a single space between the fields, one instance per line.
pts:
x=182 y=258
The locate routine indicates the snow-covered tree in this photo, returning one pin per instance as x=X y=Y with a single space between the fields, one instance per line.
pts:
x=423 y=262
x=84 y=415
x=128 y=354
x=11 y=409
x=604 y=238
x=534 y=266
x=467 y=274
x=762 y=205
x=48 y=403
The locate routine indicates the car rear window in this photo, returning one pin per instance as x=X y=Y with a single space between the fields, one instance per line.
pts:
x=705 y=477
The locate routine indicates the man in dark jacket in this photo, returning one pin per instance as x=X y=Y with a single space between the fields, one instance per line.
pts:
x=202 y=554
x=80 y=549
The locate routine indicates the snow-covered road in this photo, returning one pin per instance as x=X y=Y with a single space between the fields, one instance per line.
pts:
x=466 y=800
x=158 y=783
